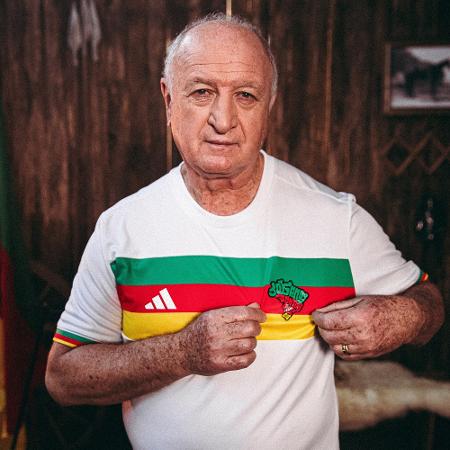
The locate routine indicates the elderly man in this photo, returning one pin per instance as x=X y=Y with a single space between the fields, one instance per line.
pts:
x=197 y=299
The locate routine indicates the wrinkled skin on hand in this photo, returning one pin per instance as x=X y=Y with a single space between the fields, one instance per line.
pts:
x=370 y=325
x=221 y=340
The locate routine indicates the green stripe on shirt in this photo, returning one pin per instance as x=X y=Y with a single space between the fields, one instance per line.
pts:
x=203 y=269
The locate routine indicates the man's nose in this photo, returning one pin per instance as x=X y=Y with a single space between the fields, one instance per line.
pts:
x=222 y=116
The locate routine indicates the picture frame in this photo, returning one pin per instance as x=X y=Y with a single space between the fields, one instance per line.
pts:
x=417 y=78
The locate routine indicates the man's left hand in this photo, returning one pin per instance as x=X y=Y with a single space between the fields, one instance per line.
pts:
x=369 y=326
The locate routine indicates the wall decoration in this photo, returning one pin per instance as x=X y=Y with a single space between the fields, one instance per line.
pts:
x=417 y=78
x=84 y=31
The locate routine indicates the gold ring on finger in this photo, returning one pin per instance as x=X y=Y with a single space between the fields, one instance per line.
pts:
x=344 y=348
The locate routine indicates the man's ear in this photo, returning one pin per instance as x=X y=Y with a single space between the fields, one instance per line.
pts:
x=165 y=91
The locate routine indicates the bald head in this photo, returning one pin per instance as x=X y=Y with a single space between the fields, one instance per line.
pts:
x=213 y=30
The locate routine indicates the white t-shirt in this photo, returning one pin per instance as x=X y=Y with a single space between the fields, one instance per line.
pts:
x=157 y=259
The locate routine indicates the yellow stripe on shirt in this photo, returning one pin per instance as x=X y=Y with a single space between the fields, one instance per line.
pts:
x=144 y=325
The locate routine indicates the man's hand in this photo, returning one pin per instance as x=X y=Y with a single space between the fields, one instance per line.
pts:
x=222 y=339
x=103 y=374
x=370 y=326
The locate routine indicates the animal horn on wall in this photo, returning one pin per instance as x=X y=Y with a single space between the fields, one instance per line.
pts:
x=96 y=30
x=74 y=37
x=86 y=31
x=86 y=24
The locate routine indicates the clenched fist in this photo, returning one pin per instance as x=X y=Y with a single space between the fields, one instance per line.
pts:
x=222 y=339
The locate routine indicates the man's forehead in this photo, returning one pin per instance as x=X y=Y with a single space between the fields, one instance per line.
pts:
x=220 y=33
x=221 y=43
x=222 y=50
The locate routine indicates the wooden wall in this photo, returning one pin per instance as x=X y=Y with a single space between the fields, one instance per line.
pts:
x=82 y=137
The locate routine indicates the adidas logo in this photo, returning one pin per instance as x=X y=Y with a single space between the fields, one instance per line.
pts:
x=161 y=301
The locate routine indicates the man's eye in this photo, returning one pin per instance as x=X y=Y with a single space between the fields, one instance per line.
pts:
x=201 y=93
x=246 y=96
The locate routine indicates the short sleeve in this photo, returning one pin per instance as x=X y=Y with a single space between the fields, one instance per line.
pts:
x=93 y=312
x=377 y=266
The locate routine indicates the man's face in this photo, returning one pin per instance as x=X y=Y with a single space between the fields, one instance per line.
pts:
x=219 y=104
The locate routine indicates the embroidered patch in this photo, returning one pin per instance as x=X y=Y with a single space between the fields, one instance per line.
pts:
x=289 y=295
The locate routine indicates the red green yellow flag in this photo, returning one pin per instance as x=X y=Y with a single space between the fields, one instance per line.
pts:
x=16 y=297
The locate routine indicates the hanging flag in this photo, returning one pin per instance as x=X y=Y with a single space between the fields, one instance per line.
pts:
x=16 y=293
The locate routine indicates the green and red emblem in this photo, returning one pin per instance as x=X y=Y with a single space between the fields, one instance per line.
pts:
x=289 y=295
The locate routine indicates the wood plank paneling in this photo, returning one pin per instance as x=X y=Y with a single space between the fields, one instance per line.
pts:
x=298 y=33
x=84 y=136
x=351 y=140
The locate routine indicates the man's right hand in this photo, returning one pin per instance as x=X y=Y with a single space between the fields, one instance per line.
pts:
x=221 y=340
x=103 y=374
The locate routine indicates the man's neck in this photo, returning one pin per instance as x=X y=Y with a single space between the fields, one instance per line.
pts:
x=224 y=196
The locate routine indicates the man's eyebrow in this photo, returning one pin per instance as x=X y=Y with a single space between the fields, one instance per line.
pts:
x=250 y=84
x=239 y=84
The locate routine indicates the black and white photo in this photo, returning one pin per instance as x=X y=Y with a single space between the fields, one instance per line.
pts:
x=417 y=79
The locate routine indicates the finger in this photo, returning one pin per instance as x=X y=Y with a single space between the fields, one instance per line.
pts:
x=243 y=329
x=242 y=346
x=336 y=337
x=254 y=305
x=257 y=306
x=237 y=362
x=333 y=320
x=353 y=353
x=243 y=313
x=357 y=343
x=345 y=349
x=343 y=304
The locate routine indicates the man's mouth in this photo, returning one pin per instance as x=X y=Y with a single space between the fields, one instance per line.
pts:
x=220 y=142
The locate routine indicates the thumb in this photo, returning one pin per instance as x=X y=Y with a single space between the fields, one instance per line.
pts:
x=260 y=315
x=342 y=304
x=255 y=305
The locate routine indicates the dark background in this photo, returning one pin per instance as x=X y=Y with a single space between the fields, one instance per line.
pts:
x=82 y=137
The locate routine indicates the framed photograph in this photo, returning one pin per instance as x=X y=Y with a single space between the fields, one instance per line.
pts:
x=417 y=79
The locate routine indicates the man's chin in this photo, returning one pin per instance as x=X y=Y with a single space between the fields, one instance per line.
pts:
x=220 y=165
x=217 y=165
